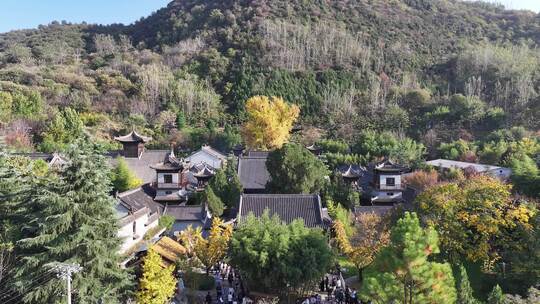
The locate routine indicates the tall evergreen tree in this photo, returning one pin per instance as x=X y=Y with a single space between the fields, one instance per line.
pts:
x=496 y=296
x=463 y=287
x=214 y=202
x=74 y=223
x=402 y=273
x=123 y=178
x=294 y=169
x=226 y=184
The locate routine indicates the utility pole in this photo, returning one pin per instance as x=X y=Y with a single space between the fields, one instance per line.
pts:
x=65 y=271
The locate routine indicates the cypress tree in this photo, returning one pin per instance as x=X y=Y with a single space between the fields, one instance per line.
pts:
x=226 y=184
x=463 y=287
x=496 y=295
x=123 y=178
x=74 y=222
x=214 y=202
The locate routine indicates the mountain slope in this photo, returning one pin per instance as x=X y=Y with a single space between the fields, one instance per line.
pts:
x=350 y=65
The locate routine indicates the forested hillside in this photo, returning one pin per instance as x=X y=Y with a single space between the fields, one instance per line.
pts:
x=435 y=71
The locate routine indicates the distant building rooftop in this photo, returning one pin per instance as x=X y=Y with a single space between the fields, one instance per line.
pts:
x=288 y=207
x=449 y=164
x=141 y=166
x=209 y=156
x=133 y=137
x=253 y=173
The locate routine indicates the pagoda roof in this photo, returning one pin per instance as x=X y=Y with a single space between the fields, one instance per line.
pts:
x=389 y=166
x=314 y=147
x=170 y=163
x=202 y=170
x=352 y=171
x=133 y=137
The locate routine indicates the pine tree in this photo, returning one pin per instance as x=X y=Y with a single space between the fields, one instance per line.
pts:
x=214 y=202
x=402 y=273
x=157 y=284
x=74 y=222
x=123 y=178
x=226 y=184
x=496 y=295
x=463 y=287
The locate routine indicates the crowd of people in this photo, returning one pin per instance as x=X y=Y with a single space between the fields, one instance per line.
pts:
x=229 y=286
x=334 y=290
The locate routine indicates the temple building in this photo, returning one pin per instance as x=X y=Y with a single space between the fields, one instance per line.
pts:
x=169 y=176
x=133 y=144
x=386 y=186
x=252 y=172
x=352 y=173
x=500 y=173
x=209 y=156
x=138 y=159
x=288 y=207
x=202 y=172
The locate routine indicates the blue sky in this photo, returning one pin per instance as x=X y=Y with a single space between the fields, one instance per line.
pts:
x=521 y=4
x=21 y=14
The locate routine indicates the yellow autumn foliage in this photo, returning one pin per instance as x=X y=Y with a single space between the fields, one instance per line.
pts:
x=473 y=216
x=270 y=121
x=158 y=283
x=370 y=236
x=211 y=250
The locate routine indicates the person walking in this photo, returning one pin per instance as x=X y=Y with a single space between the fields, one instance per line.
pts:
x=230 y=278
x=219 y=290
x=326 y=282
x=354 y=299
x=230 y=298
x=208 y=299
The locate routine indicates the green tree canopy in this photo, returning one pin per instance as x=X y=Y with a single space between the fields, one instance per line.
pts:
x=71 y=219
x=463 y=287
x=63 y=130
x=403 y=273
x=293 y=169
x=226 y=184
x=214 y=202
x=496 y=296
x=277 y=256
x=123 y=178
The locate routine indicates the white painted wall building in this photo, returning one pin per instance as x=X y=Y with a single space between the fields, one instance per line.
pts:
x=501 y=173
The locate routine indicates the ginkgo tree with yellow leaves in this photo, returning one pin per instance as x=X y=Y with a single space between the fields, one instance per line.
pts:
x=371 y=234
x=211 y=250
x=269 y=122
x=158 y=283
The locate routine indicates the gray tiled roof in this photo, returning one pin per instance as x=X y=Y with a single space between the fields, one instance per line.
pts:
x=140 y=198
x=133 y=137
x=207 y=155
x=141 y=166
x=186 y=213
x=287 y=206
x=448 y=164
x=253 y=173
x=258 y=153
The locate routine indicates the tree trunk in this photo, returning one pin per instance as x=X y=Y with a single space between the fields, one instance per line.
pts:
x=360 y=274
